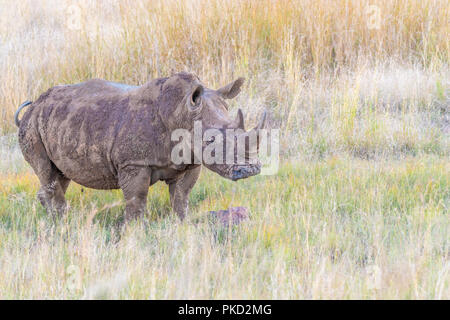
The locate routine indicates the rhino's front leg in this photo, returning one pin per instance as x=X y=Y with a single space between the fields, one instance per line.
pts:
x=134 y=182
x=180 y=189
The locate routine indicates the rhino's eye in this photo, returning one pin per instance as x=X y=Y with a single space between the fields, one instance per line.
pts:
x=210 y=140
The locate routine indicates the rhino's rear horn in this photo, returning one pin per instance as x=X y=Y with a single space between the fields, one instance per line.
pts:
x=262 y=122
x=239 y=121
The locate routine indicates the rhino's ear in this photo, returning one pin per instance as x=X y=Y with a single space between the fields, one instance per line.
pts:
x=231 y=90
x=196 y=97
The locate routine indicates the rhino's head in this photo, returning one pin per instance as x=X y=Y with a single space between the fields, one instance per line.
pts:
x=222 y=135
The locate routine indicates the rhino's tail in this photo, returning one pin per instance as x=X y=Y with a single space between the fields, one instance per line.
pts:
x=16 y=115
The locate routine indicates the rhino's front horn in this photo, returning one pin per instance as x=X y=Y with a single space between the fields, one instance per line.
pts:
x=239 y=121
x=262 y=122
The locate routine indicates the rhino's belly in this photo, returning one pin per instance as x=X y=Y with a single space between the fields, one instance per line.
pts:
x=81 y=152
x=88 y=173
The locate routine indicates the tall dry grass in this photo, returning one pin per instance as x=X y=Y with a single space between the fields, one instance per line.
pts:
x=280 y=46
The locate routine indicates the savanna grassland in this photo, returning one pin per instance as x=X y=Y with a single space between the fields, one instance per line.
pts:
x=360 y=91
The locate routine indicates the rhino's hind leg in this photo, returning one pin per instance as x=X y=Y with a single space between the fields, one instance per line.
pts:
x=53 y=182
x=52 y=190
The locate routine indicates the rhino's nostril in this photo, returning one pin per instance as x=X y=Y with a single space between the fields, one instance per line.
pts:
x=242 y=172
x=238 y=174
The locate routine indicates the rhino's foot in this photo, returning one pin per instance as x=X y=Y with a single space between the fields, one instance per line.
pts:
x=53 y=207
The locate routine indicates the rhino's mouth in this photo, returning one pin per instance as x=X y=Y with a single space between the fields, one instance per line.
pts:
x=236 y=171
x=244 y=171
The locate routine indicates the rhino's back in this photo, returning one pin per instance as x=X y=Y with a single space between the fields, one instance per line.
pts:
x=78 y=125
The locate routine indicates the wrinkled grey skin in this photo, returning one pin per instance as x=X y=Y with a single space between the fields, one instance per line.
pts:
x=106 y=135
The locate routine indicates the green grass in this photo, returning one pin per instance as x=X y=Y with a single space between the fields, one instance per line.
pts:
x=336 y=228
